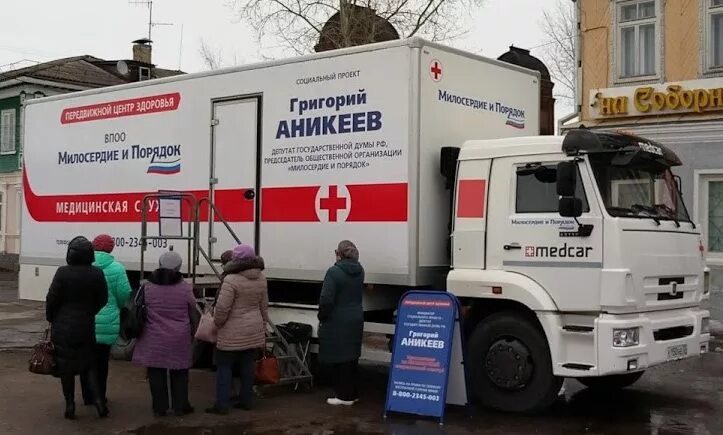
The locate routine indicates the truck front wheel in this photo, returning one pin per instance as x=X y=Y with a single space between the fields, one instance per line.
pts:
x=510 y=365
x=611 y=382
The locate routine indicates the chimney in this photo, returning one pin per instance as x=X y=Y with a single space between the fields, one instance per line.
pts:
x=142 y=51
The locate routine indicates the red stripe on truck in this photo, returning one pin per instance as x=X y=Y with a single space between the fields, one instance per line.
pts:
x=471 y=198
x=125 y=207
x=378 y=202
x=289 y=204
x=366 y=203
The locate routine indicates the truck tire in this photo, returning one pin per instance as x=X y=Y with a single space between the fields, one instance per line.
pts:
x=509 y=365
x=611 y=382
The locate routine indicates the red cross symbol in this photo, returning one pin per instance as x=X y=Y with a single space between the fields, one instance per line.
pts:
x=436 y=70
x=333 y=203
x=530 y=251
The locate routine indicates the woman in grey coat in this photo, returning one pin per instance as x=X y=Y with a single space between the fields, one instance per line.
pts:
x=341 y=325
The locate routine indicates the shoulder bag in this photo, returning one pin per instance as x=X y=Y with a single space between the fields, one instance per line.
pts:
x=133 y=315
x=42 y=360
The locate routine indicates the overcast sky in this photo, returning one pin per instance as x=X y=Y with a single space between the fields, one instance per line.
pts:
x=41 y=30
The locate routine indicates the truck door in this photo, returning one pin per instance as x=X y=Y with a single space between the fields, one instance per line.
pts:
x=528 y=236
x=234 y=180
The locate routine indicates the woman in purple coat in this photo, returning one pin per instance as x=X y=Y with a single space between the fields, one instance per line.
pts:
x=165 y=344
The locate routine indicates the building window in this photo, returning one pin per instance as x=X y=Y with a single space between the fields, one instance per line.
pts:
x=7 y=131
x=638 y=45
x=715 y=216
x=714 y=35
x=537 y=190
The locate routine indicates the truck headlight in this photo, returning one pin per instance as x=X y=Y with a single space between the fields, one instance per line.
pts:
x=706 y=282
x=626 y=337
x=705 y=325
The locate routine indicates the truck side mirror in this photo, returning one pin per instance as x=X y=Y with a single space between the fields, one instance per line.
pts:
x=566 y=178
x=570 y=207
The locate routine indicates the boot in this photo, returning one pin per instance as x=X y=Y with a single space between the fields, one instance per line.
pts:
x=102 y=409
x=70 y=410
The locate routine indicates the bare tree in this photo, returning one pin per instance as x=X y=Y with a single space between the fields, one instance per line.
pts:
x=214 y=59
x=560 y=26
x=296 y=25
x=211 y=58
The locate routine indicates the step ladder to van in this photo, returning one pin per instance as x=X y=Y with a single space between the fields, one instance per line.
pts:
x=290 y=352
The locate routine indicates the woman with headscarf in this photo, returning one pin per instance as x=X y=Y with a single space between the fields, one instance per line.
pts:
x=164 y=347
x=241 y=314
x=341 y=322
x=76 y=295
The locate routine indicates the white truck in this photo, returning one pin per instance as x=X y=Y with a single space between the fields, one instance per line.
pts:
x=573 y=257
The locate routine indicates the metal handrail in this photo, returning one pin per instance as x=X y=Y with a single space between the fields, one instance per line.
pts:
x=192 y=238
x=212 y=217
x=195 y=250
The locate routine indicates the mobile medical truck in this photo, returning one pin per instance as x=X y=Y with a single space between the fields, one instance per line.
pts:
x=573 y=257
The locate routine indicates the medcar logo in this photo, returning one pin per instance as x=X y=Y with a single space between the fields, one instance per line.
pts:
x=563 y=251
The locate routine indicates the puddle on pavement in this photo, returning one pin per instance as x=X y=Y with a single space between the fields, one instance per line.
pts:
x=417 y=428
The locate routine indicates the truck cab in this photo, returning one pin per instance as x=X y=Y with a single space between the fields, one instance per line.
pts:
x=574 y=257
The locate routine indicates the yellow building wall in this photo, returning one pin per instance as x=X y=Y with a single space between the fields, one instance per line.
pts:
x=595 y=34
x=682 y=40
x=681 y=26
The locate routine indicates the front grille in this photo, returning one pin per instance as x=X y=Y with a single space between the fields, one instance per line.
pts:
x=673 y=333
x=669 y=297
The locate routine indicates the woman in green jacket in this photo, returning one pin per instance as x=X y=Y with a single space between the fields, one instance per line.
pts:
x=107 y=321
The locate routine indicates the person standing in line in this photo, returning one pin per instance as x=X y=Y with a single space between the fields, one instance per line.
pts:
x=107 y=321
x=77 y=293
x=341 y=327
x=226 y=258
x=241 y=315
x=164 y=346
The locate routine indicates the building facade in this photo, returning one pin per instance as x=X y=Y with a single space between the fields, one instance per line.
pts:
x=655 y=68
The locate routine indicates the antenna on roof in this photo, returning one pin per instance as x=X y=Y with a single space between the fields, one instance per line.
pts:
x=151 y=23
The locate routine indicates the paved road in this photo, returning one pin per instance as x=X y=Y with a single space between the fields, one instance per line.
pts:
x=683 y=398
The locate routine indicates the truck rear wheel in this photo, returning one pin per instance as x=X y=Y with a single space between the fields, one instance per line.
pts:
x=510 y=366
x=611 y=382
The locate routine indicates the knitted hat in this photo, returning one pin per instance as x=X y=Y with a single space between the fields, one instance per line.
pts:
x=104 y=243
x=170 y=260
x=243 y=252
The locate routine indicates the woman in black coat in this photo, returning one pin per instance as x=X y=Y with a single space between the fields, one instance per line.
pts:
x=77 y=293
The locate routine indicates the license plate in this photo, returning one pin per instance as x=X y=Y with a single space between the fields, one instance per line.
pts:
x=677 y=352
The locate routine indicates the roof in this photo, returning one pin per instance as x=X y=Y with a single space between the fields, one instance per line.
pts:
x=86 y=71
x=160 y=73
x=78 y=70
x=520 y=56
x=509 y=147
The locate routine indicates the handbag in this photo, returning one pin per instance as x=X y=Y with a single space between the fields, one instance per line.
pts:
x=42 y=360
x=133 y=316
x=123 y=348
x=267 y=370
x=207 y=330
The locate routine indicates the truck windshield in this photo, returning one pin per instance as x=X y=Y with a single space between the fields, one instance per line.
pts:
x=639 y=190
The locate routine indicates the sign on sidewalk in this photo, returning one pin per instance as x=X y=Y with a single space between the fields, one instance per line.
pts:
x=427 y=370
